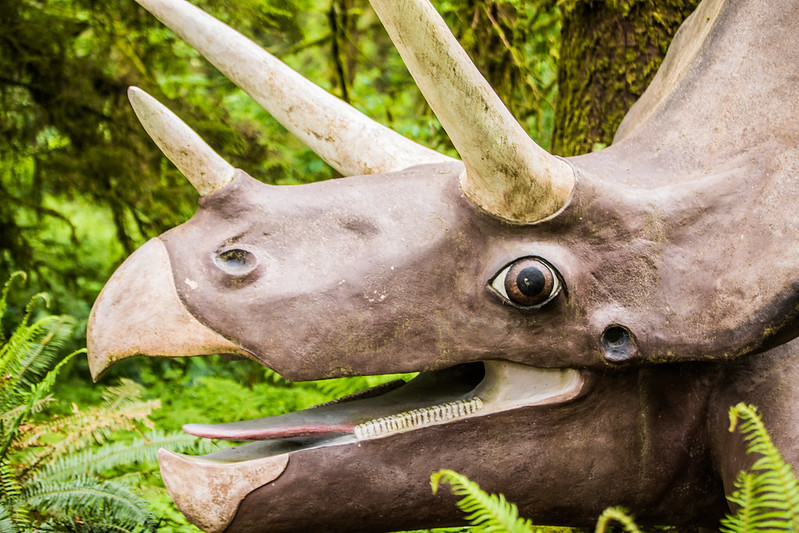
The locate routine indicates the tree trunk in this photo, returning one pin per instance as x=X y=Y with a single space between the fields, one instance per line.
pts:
x=610 y=50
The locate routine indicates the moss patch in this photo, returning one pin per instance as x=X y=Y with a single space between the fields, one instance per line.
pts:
x=610 y=51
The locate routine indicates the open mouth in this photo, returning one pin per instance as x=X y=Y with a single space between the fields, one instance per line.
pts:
x=432 y=398
x=466 y=390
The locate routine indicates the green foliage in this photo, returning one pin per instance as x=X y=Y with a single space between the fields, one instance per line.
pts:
x=80 y=183
x=616 y=514
x=767 y=494
x=54 y=469
x=492 y=513
x=220 y=399
x=489 y=512
x=338 y=387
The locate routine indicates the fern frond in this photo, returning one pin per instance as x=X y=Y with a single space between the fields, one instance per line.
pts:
x=65 y=496
x=88 y=497
x=123 y=410
x=121 y=403
x=44 y=350
x=37 y=408
x=29 y=353
x=617 y=514
x=84 y=428
x=7 y=524
x=93 y=525
x=10 y=488
x=743 y=495
x=125 y=392
x=110 y=456
x=36 y=394
x=768 y=495
x=10 y=492
x=18 y=345
x=489 y=512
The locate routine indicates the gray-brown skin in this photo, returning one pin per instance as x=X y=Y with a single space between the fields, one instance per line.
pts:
x=682 y=232
x=652 y=439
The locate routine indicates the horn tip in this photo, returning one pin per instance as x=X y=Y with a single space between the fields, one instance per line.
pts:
x=134 y=92
x=140 y=99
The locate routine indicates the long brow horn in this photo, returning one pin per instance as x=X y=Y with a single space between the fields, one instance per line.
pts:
x=349 y=141
x=507 y=173
x=204 y=168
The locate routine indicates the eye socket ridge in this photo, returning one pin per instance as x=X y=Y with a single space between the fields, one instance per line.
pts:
x=527 y=283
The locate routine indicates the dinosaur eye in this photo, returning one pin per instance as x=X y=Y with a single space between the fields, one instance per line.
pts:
x=236 y=262
x=527 y=282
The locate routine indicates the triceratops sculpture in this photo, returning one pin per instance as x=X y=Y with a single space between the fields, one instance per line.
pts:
x=581 y=325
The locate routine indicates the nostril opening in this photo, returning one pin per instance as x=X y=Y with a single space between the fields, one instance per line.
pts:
x=618 y=344
x=616 y=336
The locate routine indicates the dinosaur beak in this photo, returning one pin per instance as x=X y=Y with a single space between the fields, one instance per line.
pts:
x=139 y=312
x=209 y=488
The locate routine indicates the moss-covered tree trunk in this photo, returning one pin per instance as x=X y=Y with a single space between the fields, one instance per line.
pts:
x=610 y=50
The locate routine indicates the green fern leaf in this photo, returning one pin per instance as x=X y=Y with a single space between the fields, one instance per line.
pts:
x=742 y=496
x=92 y=525
x=104 y=458
x=489 y=512
x=37 y=491
x=768 y=495
x=10 y=488
x=28 y=354
x=36 y=394
x=89 y=498
x=84 y=428
x=7 y=524
x=617 y=514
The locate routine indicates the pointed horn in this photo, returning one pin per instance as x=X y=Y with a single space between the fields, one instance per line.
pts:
x=204 y=168
x=349 y=141
x=507 y=173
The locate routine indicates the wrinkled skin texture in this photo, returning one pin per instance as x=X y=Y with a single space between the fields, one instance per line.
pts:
x=680 y=235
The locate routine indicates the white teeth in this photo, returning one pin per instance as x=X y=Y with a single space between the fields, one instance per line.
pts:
x=418 y=418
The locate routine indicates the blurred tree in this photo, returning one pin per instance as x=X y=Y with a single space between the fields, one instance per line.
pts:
x=80 y=186
x=610 y=51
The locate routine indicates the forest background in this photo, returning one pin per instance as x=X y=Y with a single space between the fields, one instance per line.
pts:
x=81 y=184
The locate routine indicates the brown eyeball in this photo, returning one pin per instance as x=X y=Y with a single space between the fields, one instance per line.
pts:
x=528 y=282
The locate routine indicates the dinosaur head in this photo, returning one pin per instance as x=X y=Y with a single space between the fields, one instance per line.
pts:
x=528 y=290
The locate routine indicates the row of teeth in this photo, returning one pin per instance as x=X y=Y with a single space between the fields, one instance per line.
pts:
x=418 y=418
